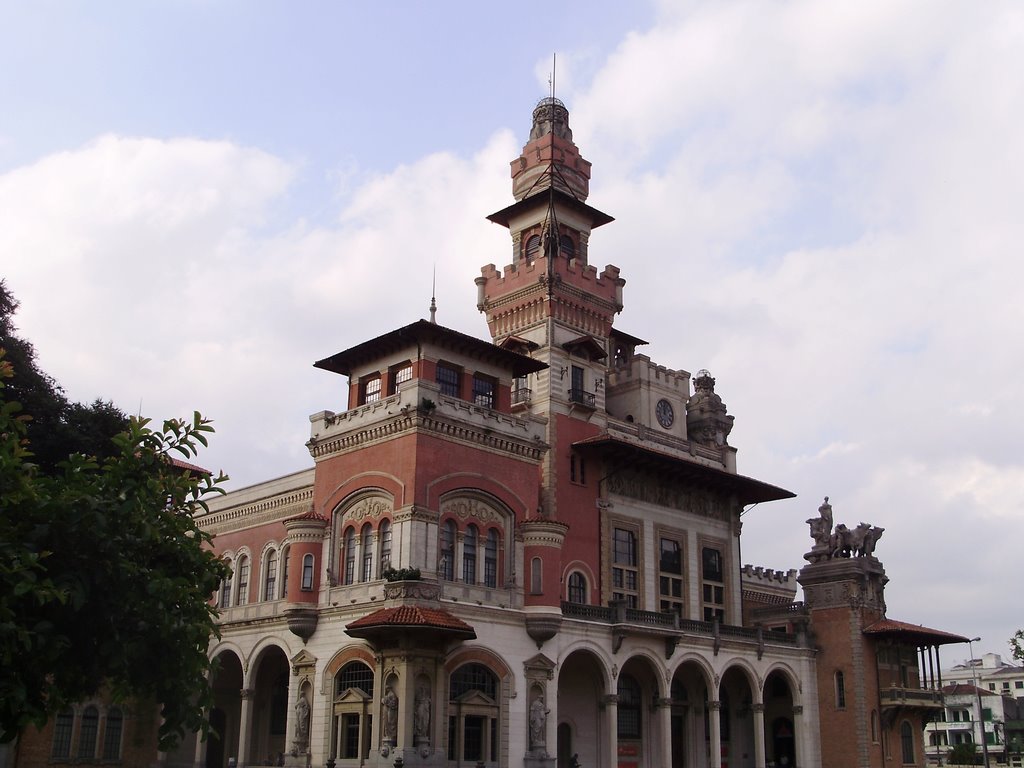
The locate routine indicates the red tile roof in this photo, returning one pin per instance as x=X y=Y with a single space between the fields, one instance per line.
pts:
x=411 y=616
x=179 y=464
x=310 y=514
x=913 y=632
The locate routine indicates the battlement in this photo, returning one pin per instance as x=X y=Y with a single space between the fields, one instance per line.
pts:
x=493 y=284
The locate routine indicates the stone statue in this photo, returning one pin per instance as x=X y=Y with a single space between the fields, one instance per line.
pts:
x=871 y=537
x=538 y=723
x=821 y=526
x=421 y=714
x=301 y=722
x=390 y=715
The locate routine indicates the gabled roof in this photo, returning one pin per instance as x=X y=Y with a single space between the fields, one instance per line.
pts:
x=425 y=332
x=747 y=490
x=912 y=633
x=966 y=689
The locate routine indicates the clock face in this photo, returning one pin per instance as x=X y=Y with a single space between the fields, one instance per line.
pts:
x=666 y=415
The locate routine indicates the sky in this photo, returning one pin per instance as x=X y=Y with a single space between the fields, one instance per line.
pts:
x=818 y=202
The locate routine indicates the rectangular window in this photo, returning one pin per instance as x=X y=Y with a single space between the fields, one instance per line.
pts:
x=483 y=390
x=713 y=584
x=307 y=573
x=270 y=590
x=670 y=576
x=577 y=470
x=624 y=568
x=1018 y=684
x=370 y=387
x=398 y=375
x=448 y=380
x=112 y=735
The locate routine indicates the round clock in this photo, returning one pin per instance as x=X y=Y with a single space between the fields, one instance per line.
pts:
x=666 y=415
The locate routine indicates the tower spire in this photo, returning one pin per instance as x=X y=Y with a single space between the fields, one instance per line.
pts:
x=433 y=300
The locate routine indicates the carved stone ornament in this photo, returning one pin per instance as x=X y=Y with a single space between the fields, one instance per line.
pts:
x=841 y=541
x=372 y=506
x=465 y=508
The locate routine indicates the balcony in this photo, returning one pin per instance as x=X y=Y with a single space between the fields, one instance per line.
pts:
x=522 y=396
x=625 y=621
x=584 y=398
x=898 y=698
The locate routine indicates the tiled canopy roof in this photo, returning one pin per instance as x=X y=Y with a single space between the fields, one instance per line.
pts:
x=412 y=617
x=913 y=633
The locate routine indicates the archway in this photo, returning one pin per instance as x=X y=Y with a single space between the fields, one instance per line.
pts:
x=689 y=694
x=640 y=726
x=269 y=717
x=226 y=712
x=780 y=736
x=736 y=718
x=581 y=691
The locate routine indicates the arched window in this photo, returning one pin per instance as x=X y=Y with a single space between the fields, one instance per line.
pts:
x=469 y=555
x=112 y=735
x=87 y=733
x=243 y=580
x=629 y=707
x=532 y=247
x=307 y=573
x=366 y=542
x=473 y=715
x=62 y=726
x=225 y=587
x=567 y=247
x=577 y=588
x=907 y=743
x=536 y=576
x=284 y=571
x=353 y=692
x=384 y=532
x=270 y=584
x=350 y=556
x=447 y=565
x=491 y=559
x=840 y=690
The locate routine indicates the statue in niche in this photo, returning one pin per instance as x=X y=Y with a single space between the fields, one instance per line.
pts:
x=390 y=715
x=421 y=714
x=301 y=722
x=538 y=723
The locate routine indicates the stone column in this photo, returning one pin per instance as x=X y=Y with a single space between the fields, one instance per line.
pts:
x=664 y=709
x=715 y=729
x=798 y=736
x=759 y=757
x=611 y=711
x=244 y=720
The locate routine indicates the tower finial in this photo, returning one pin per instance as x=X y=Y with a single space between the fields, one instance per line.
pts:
x=433 y=301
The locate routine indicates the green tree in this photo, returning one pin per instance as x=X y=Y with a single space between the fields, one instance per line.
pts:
x=1017 y=645
x=963 y=754
x=105 y=577
x=57 y=427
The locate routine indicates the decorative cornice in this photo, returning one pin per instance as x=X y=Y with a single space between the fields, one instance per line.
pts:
x=463 y=432
x=257 y=513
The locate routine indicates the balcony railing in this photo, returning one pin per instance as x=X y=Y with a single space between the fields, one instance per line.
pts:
x=582 y=397
x=915 y=697
x=521 y=395
x=619 y=616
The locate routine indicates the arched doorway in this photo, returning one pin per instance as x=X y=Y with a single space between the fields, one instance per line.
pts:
x=688 y=693
x=780 y=735
x=581 y=690
x=736 y=718
x=226 y=712
x=269 y=718
x=639 y=727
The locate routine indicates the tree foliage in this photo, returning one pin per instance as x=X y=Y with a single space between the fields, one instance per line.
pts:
x=105 y=577
x=56 y=427
x=1017 y=645
x=963 y=754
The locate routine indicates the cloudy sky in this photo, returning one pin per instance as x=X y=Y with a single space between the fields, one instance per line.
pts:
x=819 y=202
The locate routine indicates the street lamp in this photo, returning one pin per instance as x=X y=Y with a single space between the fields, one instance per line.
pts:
x=977 y=691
